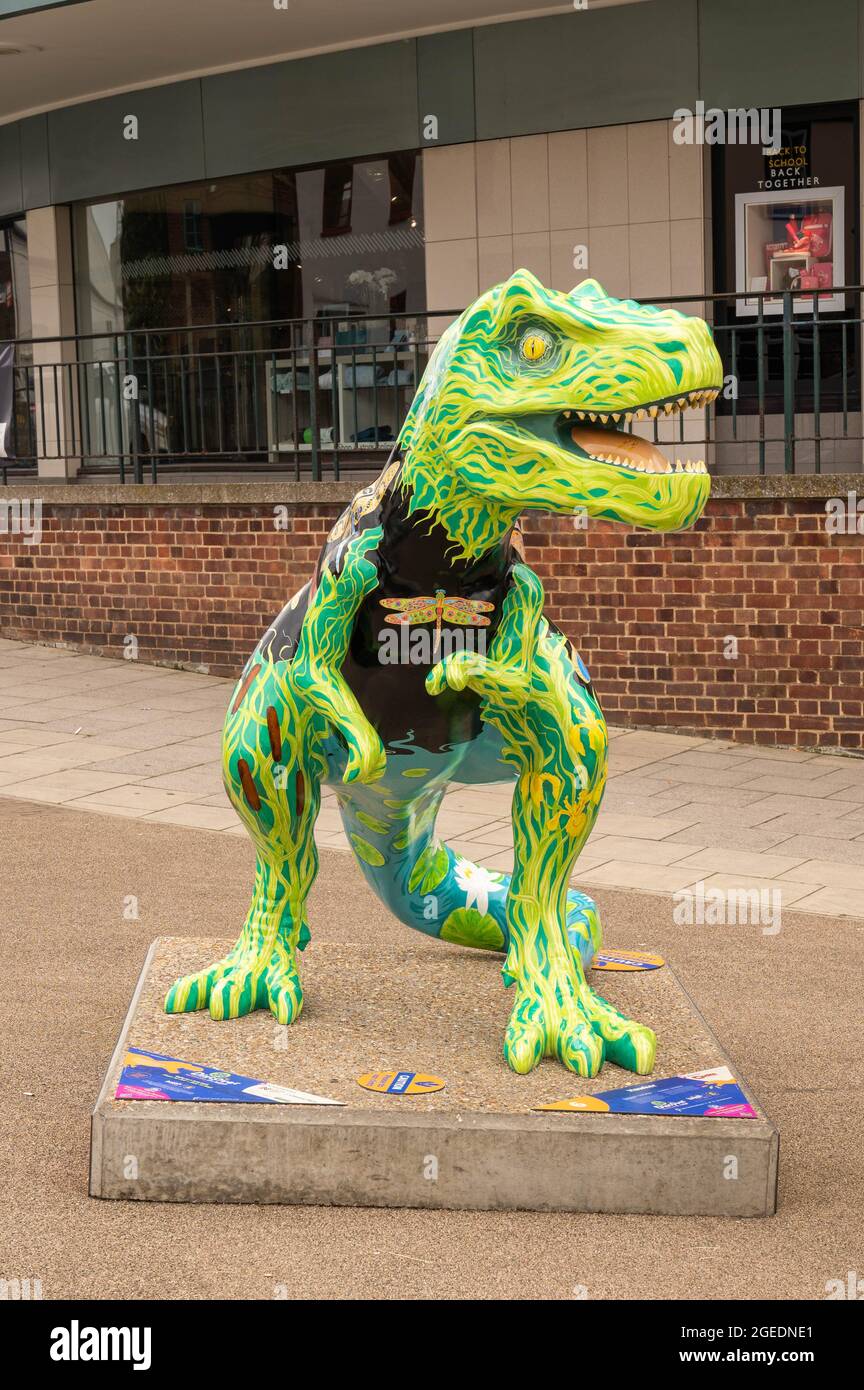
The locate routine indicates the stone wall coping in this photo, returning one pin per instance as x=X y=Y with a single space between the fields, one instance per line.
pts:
x=772 y=486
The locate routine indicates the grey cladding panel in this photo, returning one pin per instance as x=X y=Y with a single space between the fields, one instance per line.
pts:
x=363 y=101
x=91 y=158
x=587 y=68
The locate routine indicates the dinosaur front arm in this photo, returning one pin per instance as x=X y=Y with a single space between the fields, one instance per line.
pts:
x=316 y=672
x=504 y=677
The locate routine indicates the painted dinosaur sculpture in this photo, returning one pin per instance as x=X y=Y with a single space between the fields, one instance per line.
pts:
x=419 y=654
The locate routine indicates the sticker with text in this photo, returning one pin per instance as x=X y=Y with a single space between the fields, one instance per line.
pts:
x=625 y=960
x=152 y=1076
x=714 y=1092
x=400 y=1083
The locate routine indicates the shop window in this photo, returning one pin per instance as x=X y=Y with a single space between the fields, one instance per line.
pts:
x=788 y=220
x=232 y=276
x=16 y=420
x=14 y=281
x=351 y=239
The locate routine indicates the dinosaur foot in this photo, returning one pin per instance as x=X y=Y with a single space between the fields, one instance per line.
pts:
x=242 y=981
x=579 y=1028
x=628 y=1044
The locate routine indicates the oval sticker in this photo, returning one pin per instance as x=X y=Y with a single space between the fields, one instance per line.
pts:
x=400 y=1083
x=626 y=960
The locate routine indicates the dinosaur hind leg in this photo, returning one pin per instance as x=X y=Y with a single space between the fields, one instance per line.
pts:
x=558 y=744
x=272 y=773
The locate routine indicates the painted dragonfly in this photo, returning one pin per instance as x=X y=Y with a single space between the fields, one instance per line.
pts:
x=465 y=612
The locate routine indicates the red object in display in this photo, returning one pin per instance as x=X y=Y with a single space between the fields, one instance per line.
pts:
x=817 y=227
x=797 y=242
x=820 y=276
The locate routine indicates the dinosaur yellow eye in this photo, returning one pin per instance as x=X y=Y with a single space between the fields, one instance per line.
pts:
x=534 y=346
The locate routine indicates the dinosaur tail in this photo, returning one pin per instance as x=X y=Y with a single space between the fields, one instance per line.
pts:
x=430 y=887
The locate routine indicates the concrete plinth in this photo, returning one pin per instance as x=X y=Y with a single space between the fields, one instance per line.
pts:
x=476 y=1144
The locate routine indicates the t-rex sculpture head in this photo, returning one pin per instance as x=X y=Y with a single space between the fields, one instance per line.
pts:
x=526 y=403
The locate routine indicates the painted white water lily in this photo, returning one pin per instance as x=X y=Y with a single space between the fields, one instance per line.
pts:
x=476 y=883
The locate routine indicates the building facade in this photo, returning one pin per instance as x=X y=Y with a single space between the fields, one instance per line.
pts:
x=404 y=174
x=263 y=214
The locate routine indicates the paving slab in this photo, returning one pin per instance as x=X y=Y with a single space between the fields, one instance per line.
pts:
x=840 y=902
x=678 y=795
x=650 y=878
x=491 y=1151
x=203 y=817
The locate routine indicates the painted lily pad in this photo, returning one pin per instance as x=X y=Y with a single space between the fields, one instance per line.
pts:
x=368 y=853
x=430 y=870
x=467 y=927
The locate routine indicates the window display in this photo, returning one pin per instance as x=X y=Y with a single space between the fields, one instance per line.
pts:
x=787 y=241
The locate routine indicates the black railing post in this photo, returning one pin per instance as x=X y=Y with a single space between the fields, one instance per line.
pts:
x=760 y=379
x=788 y=383
x=135 y=413
x=817 y=389
x=118 y=408
x=315 y=445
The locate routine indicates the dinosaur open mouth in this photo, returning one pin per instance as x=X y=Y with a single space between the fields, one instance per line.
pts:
x=595 y=434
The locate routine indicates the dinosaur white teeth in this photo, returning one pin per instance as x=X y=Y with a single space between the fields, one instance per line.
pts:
x=653 y=412
x=690 y=466
x=567 y=414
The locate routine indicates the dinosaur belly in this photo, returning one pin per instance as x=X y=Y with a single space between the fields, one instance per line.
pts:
x=392 y=695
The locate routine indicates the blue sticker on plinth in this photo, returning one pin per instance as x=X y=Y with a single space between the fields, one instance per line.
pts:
x=400 y=1083
x=626 y=960
x=714 y=1092
x=152 y=1076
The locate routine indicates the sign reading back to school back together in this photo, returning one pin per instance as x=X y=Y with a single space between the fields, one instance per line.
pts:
x=626 y=960
x=714 y=1092
x=153 y=1076
x=400 y=1083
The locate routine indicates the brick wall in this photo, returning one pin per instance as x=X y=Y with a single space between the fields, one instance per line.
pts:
x=653 y=616
x=197 y=577
x=195 y=584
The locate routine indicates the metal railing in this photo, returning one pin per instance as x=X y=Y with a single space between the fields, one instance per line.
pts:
x=316 y=399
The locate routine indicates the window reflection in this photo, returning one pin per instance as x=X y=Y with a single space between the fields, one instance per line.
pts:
x=239 y=278
x=14 y=281
x=204 y=253
x=16 y=406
